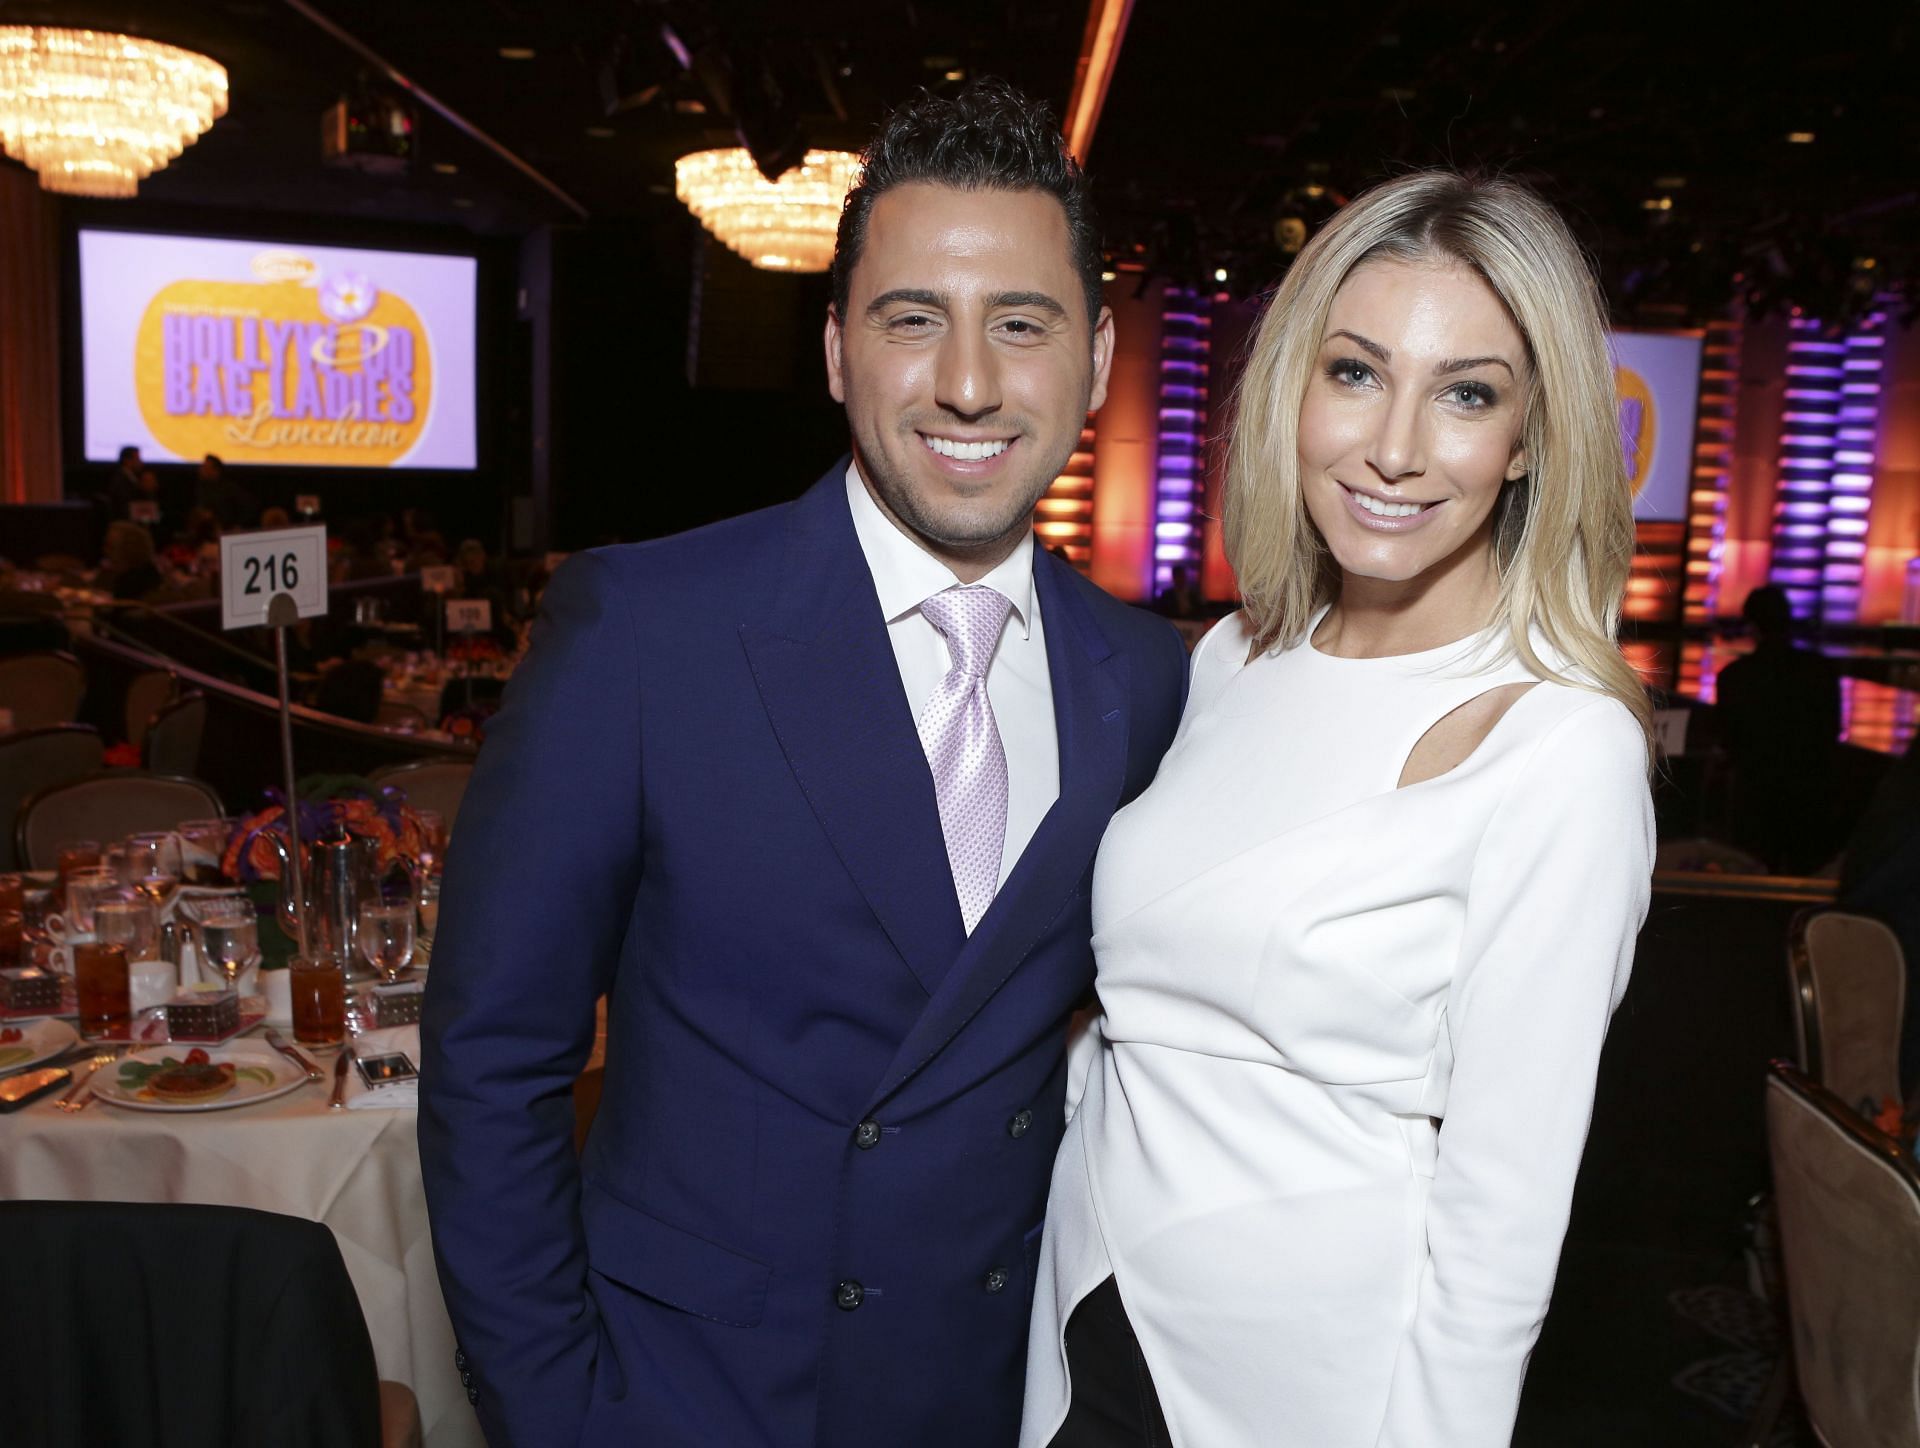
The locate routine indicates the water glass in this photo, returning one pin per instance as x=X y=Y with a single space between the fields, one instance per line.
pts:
x=385 y=937
x=130 y=921
x=433 y=840
x=203 y=845
x=153 y=864
x=85 y=888
x=229 y=933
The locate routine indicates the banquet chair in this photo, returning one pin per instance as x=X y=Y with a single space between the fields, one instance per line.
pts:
x=208 y=1325
x=435 y=784
x=33 y=759
x=1849 y=1202
x=148 y=692
x=1849 y=984
x=42 y=688
x=109 y=805
x=172 y=744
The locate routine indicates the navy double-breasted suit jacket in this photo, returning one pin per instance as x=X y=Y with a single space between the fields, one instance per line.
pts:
x=809 y=1203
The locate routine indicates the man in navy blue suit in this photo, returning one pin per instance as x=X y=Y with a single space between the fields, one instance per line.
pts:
x=812 y=797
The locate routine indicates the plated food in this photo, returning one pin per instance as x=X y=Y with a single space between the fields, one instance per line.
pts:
x=175 y=1078
x=29 y=1044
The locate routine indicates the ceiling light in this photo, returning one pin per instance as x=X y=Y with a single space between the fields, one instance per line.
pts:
x=1657 y=203
x=690 y=107
x=1219 y=273
x=515 y=52
x=95 y=113
x=600 y=133
x=956 y=75
x=1800 y=138
x=446 y=168
x=784 y=225
x=1107 y=276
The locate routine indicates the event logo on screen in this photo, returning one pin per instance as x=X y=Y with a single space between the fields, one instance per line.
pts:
x=1639 y=425
x=303 y=365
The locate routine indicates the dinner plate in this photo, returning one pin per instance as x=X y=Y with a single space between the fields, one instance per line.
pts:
x=39 y=1041
x=261 y=1074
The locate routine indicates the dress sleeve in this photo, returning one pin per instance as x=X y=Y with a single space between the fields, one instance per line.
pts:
x=1558 y=892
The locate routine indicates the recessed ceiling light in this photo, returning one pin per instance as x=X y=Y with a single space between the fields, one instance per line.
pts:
x=1800 y=138
x=956 y=75
x=446 y=168
x=516 y=52
x=600 y=133
x=690 y=107
x=1219 y=273
x=1107 y=276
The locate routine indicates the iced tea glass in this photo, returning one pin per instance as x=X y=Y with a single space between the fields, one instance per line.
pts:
x=105 y=989
x=319 y=992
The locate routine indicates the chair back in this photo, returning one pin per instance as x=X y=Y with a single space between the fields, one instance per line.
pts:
x=1849 y=984
x=108 y=806
x=42 y=688
x=172 y=745
x=147 y=694
x=1849 y=1202
x=32 y=760
x=186 y=1324
x=435 y=784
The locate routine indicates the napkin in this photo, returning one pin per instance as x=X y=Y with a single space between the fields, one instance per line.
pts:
x=403 y=1039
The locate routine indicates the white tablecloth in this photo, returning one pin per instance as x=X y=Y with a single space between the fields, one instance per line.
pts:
x=357 y=1171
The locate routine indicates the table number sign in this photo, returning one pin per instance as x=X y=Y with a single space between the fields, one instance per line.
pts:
x=255 y=567
x=437 y=578
x=469 y=615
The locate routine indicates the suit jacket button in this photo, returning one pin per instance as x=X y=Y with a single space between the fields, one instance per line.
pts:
x=473 y=1395
x=849 y=1295
x=995 y=1280
x=866 y=1135
x=1018 y=1127
x=459 y=1360
x=466 y=1378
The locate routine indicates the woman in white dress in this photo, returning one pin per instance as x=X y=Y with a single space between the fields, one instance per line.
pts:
x=1359 y=942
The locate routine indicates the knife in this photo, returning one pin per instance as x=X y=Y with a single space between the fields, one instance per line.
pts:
x=279 y=1043
x=339 y=1101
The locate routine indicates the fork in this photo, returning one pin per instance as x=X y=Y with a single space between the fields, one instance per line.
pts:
x=67 y=1102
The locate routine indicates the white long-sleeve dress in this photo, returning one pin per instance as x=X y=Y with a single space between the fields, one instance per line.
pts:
x=1325 y=1129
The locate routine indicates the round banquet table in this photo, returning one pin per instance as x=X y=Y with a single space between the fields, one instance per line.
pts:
x=357 y=1171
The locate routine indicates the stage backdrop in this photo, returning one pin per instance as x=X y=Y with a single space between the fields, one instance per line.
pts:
x=265 y=352
x=1657 y=380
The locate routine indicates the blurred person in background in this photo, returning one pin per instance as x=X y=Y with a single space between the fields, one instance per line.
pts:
x=1779 y=710
x=215 y=490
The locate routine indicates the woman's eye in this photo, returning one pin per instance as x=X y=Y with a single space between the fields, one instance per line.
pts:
x=1470 y=394
x=1350 y=372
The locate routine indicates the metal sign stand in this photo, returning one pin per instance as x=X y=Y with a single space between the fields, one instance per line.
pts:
x=282 y=614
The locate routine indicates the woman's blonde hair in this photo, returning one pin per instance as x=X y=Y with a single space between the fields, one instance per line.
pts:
x=1563 y=534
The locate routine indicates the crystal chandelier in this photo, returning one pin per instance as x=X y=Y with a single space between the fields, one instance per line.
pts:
x=784 y=225
x=96 y=113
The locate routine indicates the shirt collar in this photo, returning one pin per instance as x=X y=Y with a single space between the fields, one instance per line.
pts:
x=905 y=575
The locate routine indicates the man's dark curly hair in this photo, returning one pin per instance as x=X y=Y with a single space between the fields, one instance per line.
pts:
x=987 y=137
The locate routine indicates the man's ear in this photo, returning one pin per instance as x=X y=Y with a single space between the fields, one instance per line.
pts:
x=836 y=382
x=1102 y=357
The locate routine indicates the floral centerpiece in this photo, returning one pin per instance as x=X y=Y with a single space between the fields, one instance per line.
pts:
x=326 y=803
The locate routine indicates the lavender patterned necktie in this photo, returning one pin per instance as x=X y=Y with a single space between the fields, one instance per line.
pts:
x=963 y=746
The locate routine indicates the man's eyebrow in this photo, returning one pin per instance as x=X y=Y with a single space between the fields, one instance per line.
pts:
x=912 y=296
x=1039 y=301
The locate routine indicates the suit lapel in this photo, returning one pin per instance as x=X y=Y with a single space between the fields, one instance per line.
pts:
x=831 y=686
x=1090 y=698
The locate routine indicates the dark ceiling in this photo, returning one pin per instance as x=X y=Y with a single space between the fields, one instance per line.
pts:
x=1663 y=129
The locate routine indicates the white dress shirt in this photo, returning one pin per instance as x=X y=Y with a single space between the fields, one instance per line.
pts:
x=1019 y=685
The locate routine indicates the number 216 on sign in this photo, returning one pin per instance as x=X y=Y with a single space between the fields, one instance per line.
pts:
x=256 y=567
